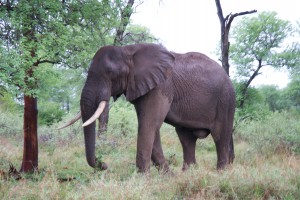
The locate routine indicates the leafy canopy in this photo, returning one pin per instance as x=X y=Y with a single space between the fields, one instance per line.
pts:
x=261 y=41
x=36 y=32
x=46 y=47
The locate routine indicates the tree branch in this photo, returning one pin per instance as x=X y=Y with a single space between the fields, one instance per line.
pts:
x=231 y=17
x=226 y=18
x=8 y=5
x=48 y=61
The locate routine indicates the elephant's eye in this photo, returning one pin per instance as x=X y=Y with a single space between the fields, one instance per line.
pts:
x=114 y=69
x=109 y=70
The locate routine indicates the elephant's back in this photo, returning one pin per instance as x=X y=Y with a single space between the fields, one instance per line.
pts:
x=196 y=62
x=198 y=69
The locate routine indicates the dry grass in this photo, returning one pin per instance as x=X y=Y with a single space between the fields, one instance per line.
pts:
x=64 y=174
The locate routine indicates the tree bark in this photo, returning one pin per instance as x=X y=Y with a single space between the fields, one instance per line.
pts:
x=225 y=28
x=30 y=148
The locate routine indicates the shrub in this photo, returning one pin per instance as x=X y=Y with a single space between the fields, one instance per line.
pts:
x=277 y=132
x=10 y=124
x=122 y=118
x=50 y=113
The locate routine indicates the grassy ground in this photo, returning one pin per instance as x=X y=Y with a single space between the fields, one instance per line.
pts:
x=267 y=164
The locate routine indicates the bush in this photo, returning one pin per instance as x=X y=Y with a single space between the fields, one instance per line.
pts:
x=10 y=124
x=49 y=113
x=277 y=132
x=8 y=103
x=122 y=118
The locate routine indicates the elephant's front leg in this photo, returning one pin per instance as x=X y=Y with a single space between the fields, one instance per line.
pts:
x=151 y=110
x=144 y=148
x=157 y=156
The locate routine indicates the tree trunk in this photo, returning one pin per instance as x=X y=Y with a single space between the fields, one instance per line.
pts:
x=30 y=119
x=246 y=86
x=225 y=28
x=225 y=49
x=125 y=16
x=30 y=148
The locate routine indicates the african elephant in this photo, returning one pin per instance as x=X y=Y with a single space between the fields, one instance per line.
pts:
x=189 y=91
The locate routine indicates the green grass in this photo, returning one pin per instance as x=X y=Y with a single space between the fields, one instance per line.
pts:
x=265 y=167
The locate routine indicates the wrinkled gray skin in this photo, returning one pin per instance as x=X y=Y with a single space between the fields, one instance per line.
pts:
x=189 y=91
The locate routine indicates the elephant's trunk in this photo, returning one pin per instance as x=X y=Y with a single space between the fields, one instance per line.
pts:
x=87 y=102
x=89 y=140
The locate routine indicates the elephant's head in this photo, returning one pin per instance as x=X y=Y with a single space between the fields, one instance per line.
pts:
x=130 y=70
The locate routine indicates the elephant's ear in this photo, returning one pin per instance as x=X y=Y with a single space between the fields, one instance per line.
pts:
x=151 y=65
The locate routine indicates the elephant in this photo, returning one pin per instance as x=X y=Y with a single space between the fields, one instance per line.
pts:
x=189 y=91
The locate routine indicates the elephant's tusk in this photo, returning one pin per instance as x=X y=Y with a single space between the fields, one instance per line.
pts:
x=96 y=115
x=72 y=121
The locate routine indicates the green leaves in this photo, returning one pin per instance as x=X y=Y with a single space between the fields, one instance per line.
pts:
x=34 y=33
x=261 y=39
x=264 y=40
x=46 y=46
x=137 y=34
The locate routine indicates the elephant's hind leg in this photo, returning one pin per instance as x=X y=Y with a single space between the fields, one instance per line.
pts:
x=222 y=136
x=231 y=151
x=188 y=142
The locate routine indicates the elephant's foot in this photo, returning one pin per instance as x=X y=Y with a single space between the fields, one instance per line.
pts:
x=143 y=170
x=186 y=165
x=231 y=158
x=143 y=167
x=163 y=168
x=222 y=164
x=225 y=152
x=143 y=161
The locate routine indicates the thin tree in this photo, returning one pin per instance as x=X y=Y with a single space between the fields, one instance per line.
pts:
x=225 y=23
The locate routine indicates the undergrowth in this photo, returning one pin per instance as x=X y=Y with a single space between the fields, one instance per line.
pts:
x=267 y=163
x=278 y=132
